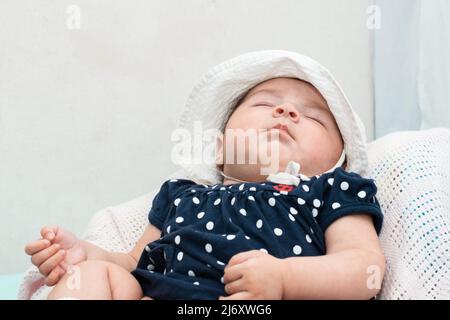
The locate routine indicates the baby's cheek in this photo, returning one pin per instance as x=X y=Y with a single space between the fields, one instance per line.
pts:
x=319 y=140
x=327 y=159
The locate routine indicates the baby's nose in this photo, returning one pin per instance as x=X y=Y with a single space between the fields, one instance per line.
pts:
x=286 y=111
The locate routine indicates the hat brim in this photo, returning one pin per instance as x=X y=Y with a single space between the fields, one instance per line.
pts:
x=213 y=98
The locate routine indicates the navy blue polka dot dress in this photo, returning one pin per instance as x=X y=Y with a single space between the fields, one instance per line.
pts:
x=203 y=226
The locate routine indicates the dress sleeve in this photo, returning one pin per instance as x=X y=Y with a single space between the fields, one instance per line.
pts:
x=164 y=200
x=345 y=193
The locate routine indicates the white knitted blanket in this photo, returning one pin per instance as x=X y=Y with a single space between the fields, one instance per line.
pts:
x=412 y=173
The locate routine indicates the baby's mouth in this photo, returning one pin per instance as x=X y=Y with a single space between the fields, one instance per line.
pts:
x=283 y=130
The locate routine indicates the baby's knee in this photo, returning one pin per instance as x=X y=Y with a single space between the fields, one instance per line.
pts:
x=92 y=265
x=122 y=284
x=85 y=271
x=95 y=279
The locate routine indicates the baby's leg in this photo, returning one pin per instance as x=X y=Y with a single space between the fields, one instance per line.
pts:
x=94 y=279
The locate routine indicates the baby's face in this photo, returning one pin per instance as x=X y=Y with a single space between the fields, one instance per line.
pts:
x=312 y=137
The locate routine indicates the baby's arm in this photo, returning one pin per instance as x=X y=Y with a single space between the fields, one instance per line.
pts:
x=59 y=248
x=126 y=260
x=353 y=267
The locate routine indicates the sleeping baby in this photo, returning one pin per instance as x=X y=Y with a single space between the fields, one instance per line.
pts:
x=307 y=230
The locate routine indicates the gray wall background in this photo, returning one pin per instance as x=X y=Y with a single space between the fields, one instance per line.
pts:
x=412 y=66
x=86 y=114
x=396 y=63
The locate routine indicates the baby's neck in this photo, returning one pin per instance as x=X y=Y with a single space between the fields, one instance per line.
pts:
x=229 y=180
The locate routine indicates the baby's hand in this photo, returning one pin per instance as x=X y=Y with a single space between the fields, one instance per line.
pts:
x=54 y=252
x=253 y=275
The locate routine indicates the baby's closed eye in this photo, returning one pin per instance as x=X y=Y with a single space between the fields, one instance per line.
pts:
x=264 y=104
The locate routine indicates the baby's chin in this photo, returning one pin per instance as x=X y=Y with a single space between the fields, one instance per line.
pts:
x=285 y=155
x=275 y=165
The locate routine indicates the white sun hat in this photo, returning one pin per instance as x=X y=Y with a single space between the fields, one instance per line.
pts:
x=213 y=98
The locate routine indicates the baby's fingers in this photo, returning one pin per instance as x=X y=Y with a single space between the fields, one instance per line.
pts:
x=47 y=266
x=38 y=258
x=49 y=232
x=36 y=246
x=54 y=276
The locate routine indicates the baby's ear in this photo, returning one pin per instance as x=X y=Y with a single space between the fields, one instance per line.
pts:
x=219 y=152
